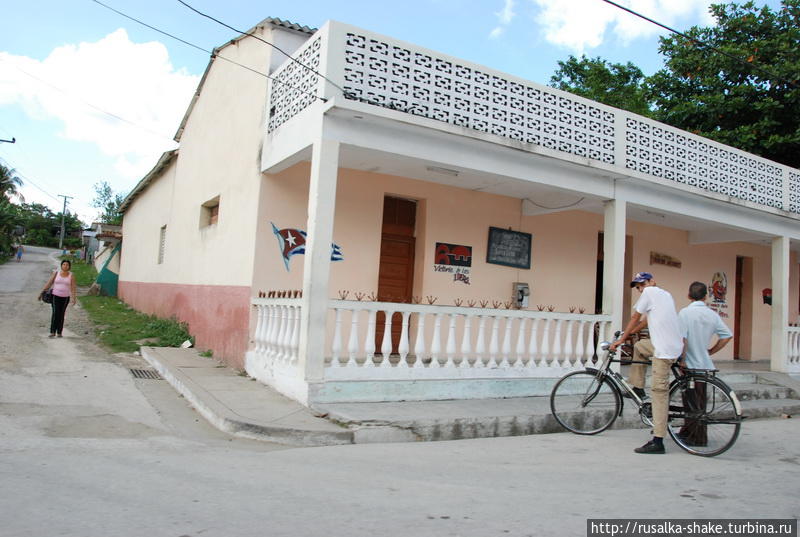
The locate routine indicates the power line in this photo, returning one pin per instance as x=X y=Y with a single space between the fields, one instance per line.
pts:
x=392 y=106
x=347 y=94
x=87 y=103
x=28 y=180
x=212 y=53
x=273 y=45
x=755 y=66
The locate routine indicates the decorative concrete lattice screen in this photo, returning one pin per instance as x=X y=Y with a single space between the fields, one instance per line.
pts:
x=391 y=76
x=794 y=192
x=294 y=87
x=689 y=160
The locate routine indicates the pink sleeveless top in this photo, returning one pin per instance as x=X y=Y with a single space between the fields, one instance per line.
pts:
x=62 y=286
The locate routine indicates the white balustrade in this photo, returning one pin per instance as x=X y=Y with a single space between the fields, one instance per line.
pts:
x=369 y=342
x=520 y=349
x=568 y=353
x=546 y=343
x=336 y=347
x=276 y=337
x=793 y=349
x=466 y=342
x=533 y=348
x=402 y=348
x=460 y=342
x=506 y=349
x=419 y=347
x=480 y=347
x=386 y=344
x=493 y=342
x=436 y=344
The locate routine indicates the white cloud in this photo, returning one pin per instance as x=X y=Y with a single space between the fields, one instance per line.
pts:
x=497 y=32
x=584 y=24
x=134 y=81
x=504 y=16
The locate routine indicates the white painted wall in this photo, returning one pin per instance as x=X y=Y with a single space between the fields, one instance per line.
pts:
x=219 y=157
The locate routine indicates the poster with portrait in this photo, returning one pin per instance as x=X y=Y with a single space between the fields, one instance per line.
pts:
x=718 y=294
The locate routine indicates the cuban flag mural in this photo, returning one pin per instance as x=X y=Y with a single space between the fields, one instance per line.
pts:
x=292 y=241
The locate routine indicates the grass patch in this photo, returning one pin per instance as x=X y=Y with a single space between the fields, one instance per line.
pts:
x=85 y=274
x=122 y=326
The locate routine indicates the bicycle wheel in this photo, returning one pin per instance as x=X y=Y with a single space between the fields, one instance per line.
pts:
x=584 y=403
x=704 y=416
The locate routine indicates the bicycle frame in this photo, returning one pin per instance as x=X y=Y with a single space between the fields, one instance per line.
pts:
x=617 y=380
x=703 y=420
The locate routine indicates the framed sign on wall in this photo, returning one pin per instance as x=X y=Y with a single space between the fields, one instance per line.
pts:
x=509 y=248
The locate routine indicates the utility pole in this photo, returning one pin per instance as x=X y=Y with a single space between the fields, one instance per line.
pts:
x=63 y=213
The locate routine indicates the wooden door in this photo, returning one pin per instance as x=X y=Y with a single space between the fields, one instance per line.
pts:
x=396 y=269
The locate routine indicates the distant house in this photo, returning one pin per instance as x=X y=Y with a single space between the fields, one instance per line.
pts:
x=103 y=246
x=377 y=221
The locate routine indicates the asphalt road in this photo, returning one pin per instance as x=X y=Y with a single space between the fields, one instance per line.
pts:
x=87 y=450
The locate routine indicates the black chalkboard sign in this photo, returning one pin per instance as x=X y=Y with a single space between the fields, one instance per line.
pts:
x=509 y=248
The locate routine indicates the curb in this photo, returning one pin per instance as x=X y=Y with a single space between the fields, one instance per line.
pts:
x=224 y=419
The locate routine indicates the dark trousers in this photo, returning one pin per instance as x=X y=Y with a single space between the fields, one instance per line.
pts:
x=60 y=304
x=695 y=401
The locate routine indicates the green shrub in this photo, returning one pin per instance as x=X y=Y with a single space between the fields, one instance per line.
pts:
x=123 y=329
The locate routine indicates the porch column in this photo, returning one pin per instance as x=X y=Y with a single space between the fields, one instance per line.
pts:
x=780 y=304
x=614 y=263
x=317 y=260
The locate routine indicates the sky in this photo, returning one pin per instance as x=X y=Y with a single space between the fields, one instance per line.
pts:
x=91 y=96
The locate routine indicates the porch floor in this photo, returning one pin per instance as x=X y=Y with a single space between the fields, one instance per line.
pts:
x=238 y=405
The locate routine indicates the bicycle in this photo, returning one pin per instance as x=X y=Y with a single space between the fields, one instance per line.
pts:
x=704 y=413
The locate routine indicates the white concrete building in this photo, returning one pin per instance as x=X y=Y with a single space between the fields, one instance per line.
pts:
x=419 y=189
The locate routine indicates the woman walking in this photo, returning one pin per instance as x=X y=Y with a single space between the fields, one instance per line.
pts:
x=63 y=284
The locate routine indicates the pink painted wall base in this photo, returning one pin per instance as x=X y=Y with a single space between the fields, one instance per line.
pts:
x=218 y=315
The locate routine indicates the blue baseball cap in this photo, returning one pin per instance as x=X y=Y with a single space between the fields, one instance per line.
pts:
x=641 y=277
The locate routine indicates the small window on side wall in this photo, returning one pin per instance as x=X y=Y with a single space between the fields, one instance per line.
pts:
x=209 y=213
x=162 y=240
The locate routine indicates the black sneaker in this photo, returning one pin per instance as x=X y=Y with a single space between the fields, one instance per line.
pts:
x=651 y=448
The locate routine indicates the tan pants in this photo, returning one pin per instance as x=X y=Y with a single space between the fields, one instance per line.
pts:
x=642 y=351
x=660 y=395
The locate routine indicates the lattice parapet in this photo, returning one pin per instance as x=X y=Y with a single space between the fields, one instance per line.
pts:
x=295 y=87
x=794 y=192
x=381 y=73
x=692 y=161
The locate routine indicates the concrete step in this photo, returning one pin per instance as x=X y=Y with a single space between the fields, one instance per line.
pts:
x=731 y=378
x=748 y=392
x=455 y=420
x=770 y=408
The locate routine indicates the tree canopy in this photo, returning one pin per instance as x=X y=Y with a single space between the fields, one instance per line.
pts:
x=752 y=104
x=614 y=84
x=746 y=93
x=31 y=223
x=108 y=203
x=9 y=182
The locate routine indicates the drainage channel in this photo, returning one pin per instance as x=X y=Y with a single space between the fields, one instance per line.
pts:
x=147 y=374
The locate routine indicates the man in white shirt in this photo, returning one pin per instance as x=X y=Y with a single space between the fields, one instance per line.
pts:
x=665 y=335
x=699 y=324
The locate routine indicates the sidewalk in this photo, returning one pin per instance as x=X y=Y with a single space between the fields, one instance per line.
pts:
x=241 y=406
